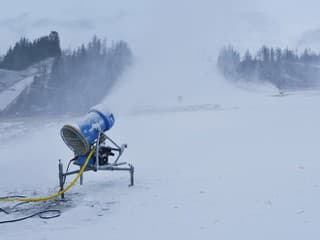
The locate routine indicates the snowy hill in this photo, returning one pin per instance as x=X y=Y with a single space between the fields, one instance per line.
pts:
x=14 y=82
x=213 y=160
x=8 y=78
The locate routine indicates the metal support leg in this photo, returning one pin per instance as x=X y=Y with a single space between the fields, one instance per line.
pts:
x=61 y=178
x=81 y=178
x=131 y=176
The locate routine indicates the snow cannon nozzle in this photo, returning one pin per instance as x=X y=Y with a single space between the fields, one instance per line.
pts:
x=81 y=136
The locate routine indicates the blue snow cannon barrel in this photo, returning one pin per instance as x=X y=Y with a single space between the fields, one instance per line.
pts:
x=81 y=136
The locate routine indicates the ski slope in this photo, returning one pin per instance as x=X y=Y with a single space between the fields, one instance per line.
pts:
x=213 y=160
x=7 y=96
x=14 y=82
x=245 y=173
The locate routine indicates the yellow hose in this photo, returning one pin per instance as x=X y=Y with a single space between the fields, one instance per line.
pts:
x=56 y=194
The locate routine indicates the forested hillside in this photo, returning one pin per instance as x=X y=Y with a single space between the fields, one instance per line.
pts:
x=285 y=68
x=72 y=81
x=26 y=52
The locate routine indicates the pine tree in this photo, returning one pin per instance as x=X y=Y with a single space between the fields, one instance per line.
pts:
x=25 y=53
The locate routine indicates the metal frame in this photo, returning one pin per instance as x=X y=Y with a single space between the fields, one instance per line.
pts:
x=114 y=166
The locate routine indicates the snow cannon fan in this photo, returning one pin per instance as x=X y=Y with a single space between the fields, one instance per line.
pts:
x=82 y=136
x=89 y=134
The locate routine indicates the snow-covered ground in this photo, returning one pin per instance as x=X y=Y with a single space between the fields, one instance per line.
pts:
x=7 y=96
x=213 y=160
x=249 y=171
x=12 y=83
x=8 y=78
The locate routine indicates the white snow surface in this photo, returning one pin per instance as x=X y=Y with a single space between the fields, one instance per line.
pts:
x=7 y=96
x=249 y=172
x=213 y=160
x=14 y=82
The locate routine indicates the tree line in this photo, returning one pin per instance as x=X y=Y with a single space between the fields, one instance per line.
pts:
x=25 y=52
x=74 y=80
x=285 y=68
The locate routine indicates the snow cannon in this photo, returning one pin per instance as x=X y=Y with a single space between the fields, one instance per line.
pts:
x=81 y=136
x=93 y=149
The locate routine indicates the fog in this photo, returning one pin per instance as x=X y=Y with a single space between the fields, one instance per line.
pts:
x=247 y=161
x=175 y=43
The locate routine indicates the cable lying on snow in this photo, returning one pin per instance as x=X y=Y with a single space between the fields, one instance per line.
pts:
x=87 y=140
x=42 y=214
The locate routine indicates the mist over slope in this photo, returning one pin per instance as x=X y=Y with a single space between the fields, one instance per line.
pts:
x=175 y=42
x=213 y=160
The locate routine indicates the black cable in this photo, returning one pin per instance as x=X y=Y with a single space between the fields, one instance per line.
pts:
x=40 y=214
x=14 y=196
x=2 y=210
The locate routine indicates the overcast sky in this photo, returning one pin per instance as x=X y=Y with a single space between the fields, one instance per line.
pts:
x=77 y=20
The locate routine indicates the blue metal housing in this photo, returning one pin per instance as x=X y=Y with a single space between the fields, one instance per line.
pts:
x=95 y=122
x=81 y=136
x=81 y=159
